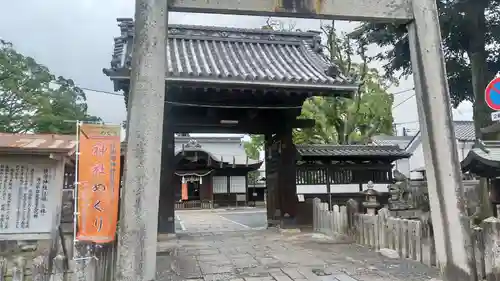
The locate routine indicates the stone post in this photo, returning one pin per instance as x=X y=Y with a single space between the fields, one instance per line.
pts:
x=491 y=238
x=137 y=236
x=444 y=179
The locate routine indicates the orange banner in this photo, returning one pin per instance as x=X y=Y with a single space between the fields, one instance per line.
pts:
x=185 y=191
x=98 y=182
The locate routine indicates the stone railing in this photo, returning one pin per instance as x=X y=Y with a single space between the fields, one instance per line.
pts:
x=98 y=266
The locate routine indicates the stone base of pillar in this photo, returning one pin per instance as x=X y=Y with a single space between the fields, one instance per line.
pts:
x=273 y=223
x=288 y=223
x=166 y=236
x=166 y=225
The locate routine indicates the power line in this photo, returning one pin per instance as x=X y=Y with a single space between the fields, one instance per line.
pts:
x=232 y=106
x=118 y=94
x=405 y=100
x=100 y=91
x=407 y=122
x=403 y=91
x=200 y=105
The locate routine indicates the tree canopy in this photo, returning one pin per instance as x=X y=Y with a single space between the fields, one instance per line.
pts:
x=342 y=120
x=470 y=31
x=32 y=100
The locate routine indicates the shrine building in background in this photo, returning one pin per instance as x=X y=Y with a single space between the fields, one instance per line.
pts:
x=212 y=171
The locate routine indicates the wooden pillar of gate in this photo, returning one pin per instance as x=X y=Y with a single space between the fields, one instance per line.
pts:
x=166 y=221
x=270 y=180
x=287 y=186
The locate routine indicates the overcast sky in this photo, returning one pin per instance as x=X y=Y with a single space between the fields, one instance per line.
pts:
x=75 y=39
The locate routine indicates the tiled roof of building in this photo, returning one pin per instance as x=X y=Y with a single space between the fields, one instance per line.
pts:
x=237 y=56
x=464 y=130
x=226 y=149
x=400 y=141
x=37 y=143
x=352 y=151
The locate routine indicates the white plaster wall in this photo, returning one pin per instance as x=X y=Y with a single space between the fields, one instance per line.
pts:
x=417 y=159
x=380 y=187
x=463 y=149
x=403 y=166
x=311 y=189
x=237 y=184
x=344 y=188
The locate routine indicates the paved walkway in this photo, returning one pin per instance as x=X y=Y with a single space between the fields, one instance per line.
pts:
x=222 y=250
x=211 y=220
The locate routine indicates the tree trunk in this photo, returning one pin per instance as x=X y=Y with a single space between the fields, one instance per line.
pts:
x=479 y=72
x=479 y=69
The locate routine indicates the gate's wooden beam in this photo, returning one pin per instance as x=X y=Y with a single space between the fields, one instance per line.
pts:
x=356 y=10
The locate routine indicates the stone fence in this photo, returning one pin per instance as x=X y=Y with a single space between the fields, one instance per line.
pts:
x=38 y=270
x=98 y=266
x=405 y=238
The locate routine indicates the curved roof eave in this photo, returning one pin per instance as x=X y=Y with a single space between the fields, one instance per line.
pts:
x=216 y=159
x=473 y=156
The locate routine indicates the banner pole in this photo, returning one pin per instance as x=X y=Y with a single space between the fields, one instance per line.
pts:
x=75 y=190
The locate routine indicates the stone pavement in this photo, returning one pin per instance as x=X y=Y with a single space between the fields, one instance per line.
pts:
x=206 y=221
x=255 y=255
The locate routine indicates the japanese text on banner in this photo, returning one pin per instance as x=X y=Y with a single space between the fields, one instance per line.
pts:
x=99 y=182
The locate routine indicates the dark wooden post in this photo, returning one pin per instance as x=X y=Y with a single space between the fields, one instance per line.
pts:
x=287 y=185
x=270 y=204
x=166 y=221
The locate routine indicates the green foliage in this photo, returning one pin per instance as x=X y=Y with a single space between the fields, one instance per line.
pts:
x=34 y=100
x=253 y=177
x=341 y=120
x=346 y=121
x=470 y=31
x=254 y=146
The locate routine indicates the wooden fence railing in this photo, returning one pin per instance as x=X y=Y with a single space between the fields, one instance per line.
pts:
x=411 y=239
x=193 y=205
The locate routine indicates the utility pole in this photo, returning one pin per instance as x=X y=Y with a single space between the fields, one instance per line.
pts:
x=446 y=191
x=139 y=201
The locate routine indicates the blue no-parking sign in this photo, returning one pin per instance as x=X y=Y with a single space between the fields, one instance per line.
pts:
x=492 y=94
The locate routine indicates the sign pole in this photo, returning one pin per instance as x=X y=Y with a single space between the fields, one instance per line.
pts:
x=81 y=252
x=75 y=189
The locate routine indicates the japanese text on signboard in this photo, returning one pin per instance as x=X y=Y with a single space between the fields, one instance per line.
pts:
x=99 y=181
x=25 y=198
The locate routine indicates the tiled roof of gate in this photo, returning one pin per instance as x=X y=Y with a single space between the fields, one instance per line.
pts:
x=237 y=56
x=352 y=151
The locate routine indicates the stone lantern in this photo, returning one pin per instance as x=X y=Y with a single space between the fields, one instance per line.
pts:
x=370 y=203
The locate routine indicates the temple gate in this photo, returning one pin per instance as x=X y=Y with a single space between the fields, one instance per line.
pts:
x=227 y=80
